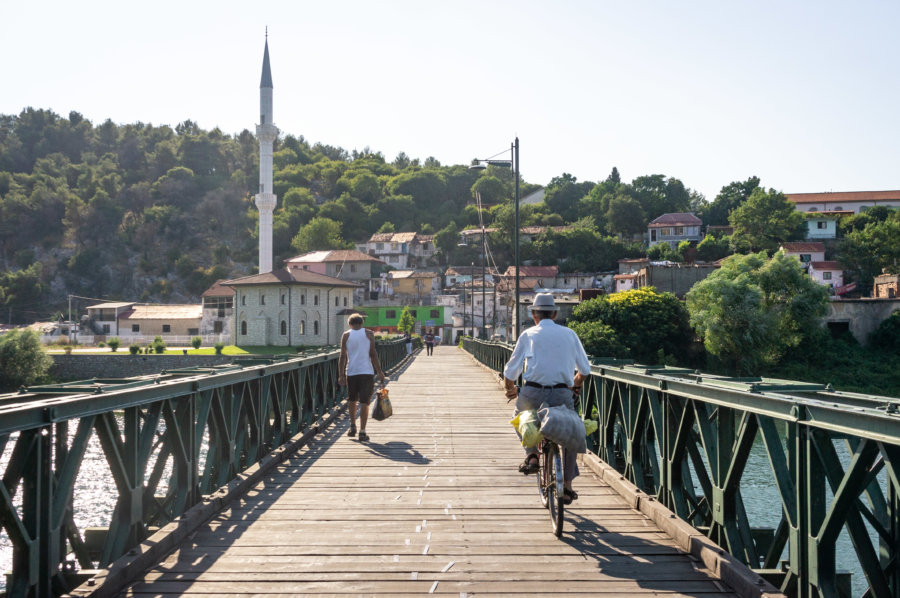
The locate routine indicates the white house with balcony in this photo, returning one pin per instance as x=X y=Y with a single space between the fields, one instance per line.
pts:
x=674 y=228
x=400 y=250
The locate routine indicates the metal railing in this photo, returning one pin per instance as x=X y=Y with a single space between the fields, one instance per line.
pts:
x=168 y=440
x=685 y=438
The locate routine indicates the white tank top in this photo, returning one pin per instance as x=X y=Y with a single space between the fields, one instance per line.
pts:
x=358 y=360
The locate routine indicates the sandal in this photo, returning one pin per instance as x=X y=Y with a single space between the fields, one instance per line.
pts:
x=529 y=465
x=569 y=496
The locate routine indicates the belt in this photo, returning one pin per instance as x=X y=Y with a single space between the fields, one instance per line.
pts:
x=536 y=385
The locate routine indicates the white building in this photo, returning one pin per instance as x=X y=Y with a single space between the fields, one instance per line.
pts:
x=854 y=201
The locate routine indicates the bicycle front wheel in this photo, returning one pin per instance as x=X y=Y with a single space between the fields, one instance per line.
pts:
x=543 y=476
x=555 y=491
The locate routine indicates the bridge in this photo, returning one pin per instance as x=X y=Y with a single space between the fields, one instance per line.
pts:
x=241 y=480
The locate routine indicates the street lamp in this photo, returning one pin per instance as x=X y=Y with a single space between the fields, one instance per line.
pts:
x=514 y=164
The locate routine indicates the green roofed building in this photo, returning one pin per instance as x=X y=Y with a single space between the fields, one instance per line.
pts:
x=383 y=319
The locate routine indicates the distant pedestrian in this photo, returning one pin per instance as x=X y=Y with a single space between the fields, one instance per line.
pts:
x=357 y=367
x=429 y=342
x=408 y=339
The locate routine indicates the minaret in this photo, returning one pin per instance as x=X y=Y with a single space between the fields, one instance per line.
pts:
x=266 y=132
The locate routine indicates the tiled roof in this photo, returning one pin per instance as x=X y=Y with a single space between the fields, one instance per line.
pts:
x=676 y=219
x=802 y=246
x=533 y=271
x=412 y=274
x=163 y=312
x=290 y=277
x=110 y=305
x=333 y=255
x=825 y=265
x=624 y=276
x=394 y=237
x=218 y=290
x=843 y=196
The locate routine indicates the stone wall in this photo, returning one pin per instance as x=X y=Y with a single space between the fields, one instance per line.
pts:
x=862 y=315
x=87 y=366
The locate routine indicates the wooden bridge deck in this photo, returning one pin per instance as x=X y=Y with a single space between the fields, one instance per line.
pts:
x=431 y=504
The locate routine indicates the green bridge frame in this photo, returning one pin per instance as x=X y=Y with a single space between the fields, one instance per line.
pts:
x=685 y=438
x=204 y=426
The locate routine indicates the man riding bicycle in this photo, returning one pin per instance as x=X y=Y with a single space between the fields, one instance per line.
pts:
x=548 y=354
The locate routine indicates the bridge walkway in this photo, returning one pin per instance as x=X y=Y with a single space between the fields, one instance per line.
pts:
x=432 y=504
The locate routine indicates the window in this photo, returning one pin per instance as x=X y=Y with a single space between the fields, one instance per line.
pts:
x=106 y=329
x=353 y=267
x=217 y=327
x=393 y=246
x=167 y=328
x=434 y=313
x=653 y=234
x=805 y=258
x=316 y=299
x=193 y=331
x=837 y=208
x=826 y=275
x=813 y=210
x=262 y=299
x=220 y=313
x=243 y=299
x=316 y=328
x=679 y=231
x=302 y=326
x=337 y=301
x=345 y=302
x=243 y=328
x=135 y=327
x=390 y=314
x=821 y=225
x=282 y=298
x=303 y=299
x=379 y=246
x=283 y=328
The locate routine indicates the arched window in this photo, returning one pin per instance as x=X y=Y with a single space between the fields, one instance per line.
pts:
x=283 y=328
x=243 y=299
x=316 y=328
x=282 y=298
x=302 y=326
x=243 y=328
x=316 y=299
x=303 y=299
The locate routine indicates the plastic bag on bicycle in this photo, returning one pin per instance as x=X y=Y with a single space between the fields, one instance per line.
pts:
x=564 y=427
x=525 y=422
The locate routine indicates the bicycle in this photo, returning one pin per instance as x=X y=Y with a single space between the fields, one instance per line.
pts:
x=550 y=482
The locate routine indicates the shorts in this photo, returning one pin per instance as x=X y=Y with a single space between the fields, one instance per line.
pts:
x=360 y=388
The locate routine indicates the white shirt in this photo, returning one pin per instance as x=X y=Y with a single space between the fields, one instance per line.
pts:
x=358 y=359
x=549 y=354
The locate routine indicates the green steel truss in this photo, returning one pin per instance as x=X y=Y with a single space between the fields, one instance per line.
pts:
x=685 y=438
x=167 y=440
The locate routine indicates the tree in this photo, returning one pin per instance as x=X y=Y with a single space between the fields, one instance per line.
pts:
x=319 y=234
x=563 y=193
x=765 y=221
x=713 y=248
x=730 y=197
x=625 y=216
x=753 y=310
x=22 y=359
x=407 y=322
x=663 y=252
x=870 y=251
x=644 y=321
x=491 y=189
x=659 y=195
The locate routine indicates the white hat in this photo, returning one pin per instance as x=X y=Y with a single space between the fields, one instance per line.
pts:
x=543 y=302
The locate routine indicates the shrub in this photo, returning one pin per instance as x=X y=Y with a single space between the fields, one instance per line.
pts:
x=134 y=349
x=887 y=336
x=114 y=343
x=159 y=345
x=101 y=344
x=196 y=342
x=219 y=347
x=63 y=340
x=23 y=360
x=68 y=349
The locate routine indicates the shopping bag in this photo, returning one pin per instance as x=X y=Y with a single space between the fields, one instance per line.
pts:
x=563 y=426
x=525 y=423
x=382 y=409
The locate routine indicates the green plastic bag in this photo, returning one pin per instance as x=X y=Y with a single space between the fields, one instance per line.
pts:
x=590 y=426
x=526 y=424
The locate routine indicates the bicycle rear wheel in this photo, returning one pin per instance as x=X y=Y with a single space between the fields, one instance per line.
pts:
x=543 y=475
x=554 y=486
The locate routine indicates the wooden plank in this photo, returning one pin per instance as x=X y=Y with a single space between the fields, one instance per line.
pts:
x=432 y=504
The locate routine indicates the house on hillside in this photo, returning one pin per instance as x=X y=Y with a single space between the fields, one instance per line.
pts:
x=851 y=201
x=412 y=285
x=674 y=228
x=290 y=308
x=346 y=264
x=530 y=277
x=624 y=282
x=828 y=273
x=887 y=286
x=823 y=225
x=806 y=252
x=400 y=250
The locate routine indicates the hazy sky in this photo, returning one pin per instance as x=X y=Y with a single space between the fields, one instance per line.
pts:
x=804 y=95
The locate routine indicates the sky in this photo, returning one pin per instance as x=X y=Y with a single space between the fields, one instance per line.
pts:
x=802 y=94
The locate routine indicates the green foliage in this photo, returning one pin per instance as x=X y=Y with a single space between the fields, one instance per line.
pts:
x=730 y=197
x=407 y=322
x=662 y=252
x=713 y=248
x=765 y=221
x=887 y=336
x=641 y=321
x=219 y=347
x=875 y=248
x=22 y=359
x=583 y=249
x=196 y=342
x=319 y=234
x=134 y=348
x=753 y=310
x=625 y=215
x=114 y=343
x=21 y=290
x=159 y=345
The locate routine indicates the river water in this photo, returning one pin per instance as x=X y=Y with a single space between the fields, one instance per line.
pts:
x=95 y=500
